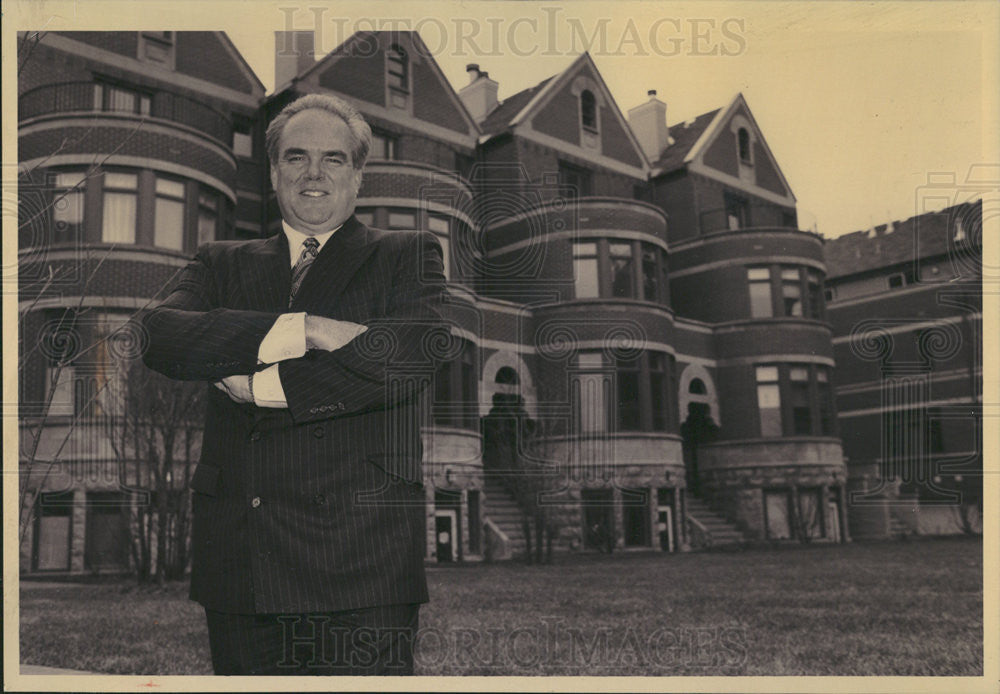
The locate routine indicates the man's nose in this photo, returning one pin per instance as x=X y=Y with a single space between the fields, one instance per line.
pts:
x=313 y=170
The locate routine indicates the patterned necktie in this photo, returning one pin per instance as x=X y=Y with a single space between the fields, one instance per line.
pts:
x=302 y=266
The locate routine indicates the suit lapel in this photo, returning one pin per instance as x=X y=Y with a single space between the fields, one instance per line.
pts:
x=266 y=274
x=335 y=265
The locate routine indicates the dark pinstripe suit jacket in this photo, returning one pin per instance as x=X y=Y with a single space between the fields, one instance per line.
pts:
x=319 y=507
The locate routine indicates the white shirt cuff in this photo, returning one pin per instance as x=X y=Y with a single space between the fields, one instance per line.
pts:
x=267 y=390
x=285 y=340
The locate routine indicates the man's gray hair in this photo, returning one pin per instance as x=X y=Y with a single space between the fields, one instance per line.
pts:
x=361 y=132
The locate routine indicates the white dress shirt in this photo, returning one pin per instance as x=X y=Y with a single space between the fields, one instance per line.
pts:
x=287 y=337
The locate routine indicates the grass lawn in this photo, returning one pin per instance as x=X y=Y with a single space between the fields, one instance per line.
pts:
x=910 y=608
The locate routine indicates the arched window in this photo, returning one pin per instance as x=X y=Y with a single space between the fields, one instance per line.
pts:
x=588 y=109
x=398 y=69
x=743 y=137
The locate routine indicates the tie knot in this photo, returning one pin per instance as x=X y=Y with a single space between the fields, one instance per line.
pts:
x=311 y=244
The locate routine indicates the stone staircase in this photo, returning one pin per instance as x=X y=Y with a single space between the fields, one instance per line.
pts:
x=502 y=509
x=719 y=531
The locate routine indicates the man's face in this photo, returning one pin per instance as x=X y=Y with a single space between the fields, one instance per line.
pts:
x=313 y=177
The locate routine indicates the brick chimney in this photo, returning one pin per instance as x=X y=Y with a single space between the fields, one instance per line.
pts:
x=649 y=123
x=293 y=55
x=480 y=94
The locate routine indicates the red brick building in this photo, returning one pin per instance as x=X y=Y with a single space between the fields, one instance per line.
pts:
x=635 y=299
x=905 y=303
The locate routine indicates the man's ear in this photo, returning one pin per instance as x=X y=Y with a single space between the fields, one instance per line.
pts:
x=274 y=176
x=358 y=175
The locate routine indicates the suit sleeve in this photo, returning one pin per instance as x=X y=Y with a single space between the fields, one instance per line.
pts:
x=388 y=363
x=192 y=337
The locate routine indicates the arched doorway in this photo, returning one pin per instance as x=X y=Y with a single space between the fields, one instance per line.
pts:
x=698 y=428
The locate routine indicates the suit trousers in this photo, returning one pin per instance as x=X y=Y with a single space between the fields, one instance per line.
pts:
x=366 y=641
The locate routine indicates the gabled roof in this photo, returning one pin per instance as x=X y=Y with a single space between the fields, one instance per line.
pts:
x=708 y=133
x=522 y=106
x=499 y=119
x=421 y=49
x=684 y=136
x=923 y=236
x=231 y=47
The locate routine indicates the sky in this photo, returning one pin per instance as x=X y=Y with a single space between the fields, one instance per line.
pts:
x=874 y=111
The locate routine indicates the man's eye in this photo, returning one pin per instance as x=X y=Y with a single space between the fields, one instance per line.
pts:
x=335 y=160
x=294 y=158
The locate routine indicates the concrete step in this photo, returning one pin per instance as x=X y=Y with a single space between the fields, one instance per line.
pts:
x=722 y=532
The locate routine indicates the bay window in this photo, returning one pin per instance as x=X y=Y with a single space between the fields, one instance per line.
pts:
x=620 y=269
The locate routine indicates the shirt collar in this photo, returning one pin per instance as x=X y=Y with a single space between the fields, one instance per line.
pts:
x=296 y=237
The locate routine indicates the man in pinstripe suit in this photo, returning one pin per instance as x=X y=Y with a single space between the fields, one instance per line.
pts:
x=308 y=531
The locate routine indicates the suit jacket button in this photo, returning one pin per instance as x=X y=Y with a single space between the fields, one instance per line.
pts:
x=255 y=436
x=255 y=502
x=319 y=432
x=319 y=499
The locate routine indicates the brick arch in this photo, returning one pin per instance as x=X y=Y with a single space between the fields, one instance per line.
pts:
x=488 y=385
x=684 y=396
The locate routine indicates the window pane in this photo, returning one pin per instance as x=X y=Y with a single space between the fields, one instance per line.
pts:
x=242 y=144
x=113 y=179
x=121 y=100
x=769 y=405
x=628 y=398
x=790 y=274
x=801 y=411
x=588 y=109
x=585 y=270
x=207 y=226
x=168 y=231
x=767 y=373
x=164 y=186
x=67 y=207
x=439 y=225
x=658 y=400
x=799 y=373
x=446 y=255
x=585 y=274
x=621 y=270
x=119 y=218
x=366 y=218
x=760 y=292
x=402 y=220
x=792 y=296
x=650 y=277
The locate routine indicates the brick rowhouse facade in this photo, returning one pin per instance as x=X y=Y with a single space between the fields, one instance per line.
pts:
x=640 y=294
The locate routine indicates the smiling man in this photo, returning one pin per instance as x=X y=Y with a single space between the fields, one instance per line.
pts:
x=308 y=531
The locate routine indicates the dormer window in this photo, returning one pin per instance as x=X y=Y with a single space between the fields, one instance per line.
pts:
x=398 y=69
x=588 y=110
x=397 y=78
x=157 y=47
x=743 y=141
